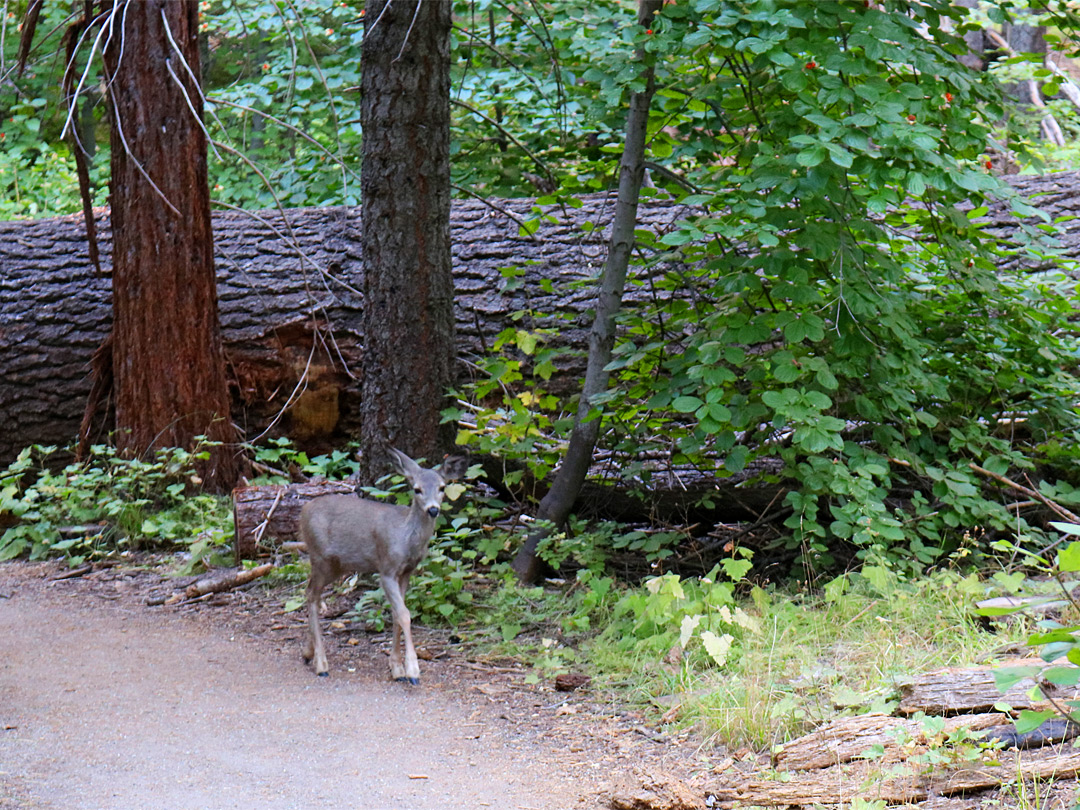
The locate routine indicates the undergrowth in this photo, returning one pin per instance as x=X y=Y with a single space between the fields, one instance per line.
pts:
x=106 y=504
x=744 y=665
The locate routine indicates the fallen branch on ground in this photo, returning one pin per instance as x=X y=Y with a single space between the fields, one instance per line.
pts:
x=226 y=580
x=1056 y=508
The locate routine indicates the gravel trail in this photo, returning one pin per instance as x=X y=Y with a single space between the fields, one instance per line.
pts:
x=105 y=705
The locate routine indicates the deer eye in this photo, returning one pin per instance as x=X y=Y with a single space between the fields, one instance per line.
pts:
x=418 y=490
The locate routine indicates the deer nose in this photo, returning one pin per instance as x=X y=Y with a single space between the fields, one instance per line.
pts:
x=433 y=511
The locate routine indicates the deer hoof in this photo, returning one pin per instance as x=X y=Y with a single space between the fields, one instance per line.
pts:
x=323 y=674
x=411 y=681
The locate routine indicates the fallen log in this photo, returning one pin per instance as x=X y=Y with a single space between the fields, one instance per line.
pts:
x=849 y=738
x=290 y=310
x=956 y=690
x=267 y=516
x=866 y=780
x=641 y=790
x=905 y=760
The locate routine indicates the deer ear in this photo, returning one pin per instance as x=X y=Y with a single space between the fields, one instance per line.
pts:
x=453 y=468
x=404 y=465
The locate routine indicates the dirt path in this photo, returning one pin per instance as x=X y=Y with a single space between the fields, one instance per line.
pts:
x=105 y=703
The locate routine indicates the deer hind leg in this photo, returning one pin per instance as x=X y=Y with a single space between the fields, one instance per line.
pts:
x=313 y=647
x=403 y=663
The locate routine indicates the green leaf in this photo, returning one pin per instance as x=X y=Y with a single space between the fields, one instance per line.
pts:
x=1069 y=557
x=735 y=461
x=686 y=404
x=1008 y=677
x=840 y=156
x=812 y=156
x=1028 y=720
x=916 y=185
x=1062 y=676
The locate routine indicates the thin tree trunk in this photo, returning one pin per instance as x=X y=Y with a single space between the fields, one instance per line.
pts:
x=167 y=362
x=556 y=505
x=405 y=191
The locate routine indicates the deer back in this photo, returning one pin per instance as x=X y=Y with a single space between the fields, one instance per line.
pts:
x=350 y=534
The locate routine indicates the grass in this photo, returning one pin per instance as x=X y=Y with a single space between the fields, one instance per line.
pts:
x=810 y=659
x=796 y=660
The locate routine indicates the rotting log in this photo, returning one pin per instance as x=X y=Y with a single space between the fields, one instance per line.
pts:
x=286 y=288
x=289 y=312
x=956 y=690
x=848 y=738
x=288 y=300
x=881 y=757
x=865 y=779
x=269 y=515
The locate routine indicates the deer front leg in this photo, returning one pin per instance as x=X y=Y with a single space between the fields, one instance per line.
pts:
x=313 y=648
x=402 y=668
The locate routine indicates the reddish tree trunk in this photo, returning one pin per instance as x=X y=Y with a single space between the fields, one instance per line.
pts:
x=167 y=362
x=405 y=182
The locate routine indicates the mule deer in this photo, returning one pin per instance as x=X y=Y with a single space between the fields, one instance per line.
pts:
x=345 y=534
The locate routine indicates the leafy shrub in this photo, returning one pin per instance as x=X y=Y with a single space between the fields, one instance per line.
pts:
x=832 y=297
x=669 y=611
x=280 y=454
x=107 y=503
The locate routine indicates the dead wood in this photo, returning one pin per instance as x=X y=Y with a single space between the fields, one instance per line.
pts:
x=569 y=681
x=290 y=311
x=1054 y=507
x=72 y=573
x=878 y=757
x=1053 y=731
x=957 y=690
x=847 y=738
x=226 y=580
x=868 y=780
x=291 y=322
x=269 y=515
x=653 y=791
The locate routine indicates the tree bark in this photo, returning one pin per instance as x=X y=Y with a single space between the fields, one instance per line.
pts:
x=167 y=363
x=405 y=192
x=288 y=305
x=270 y=515
x=555 y=507
x=975 y=58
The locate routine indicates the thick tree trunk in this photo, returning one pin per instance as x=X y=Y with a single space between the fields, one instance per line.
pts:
x=556 y=506
x=286 y=308
x=405 y=191
x=288 y=304
x=168 y=369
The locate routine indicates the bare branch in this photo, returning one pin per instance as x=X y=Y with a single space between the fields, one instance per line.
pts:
x=493 y=207
x=214 y=100
x=539 y=163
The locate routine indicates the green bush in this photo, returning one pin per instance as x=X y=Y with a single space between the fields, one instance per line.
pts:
x=107 y=504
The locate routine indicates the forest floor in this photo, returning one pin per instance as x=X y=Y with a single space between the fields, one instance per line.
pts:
x=107 y=703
